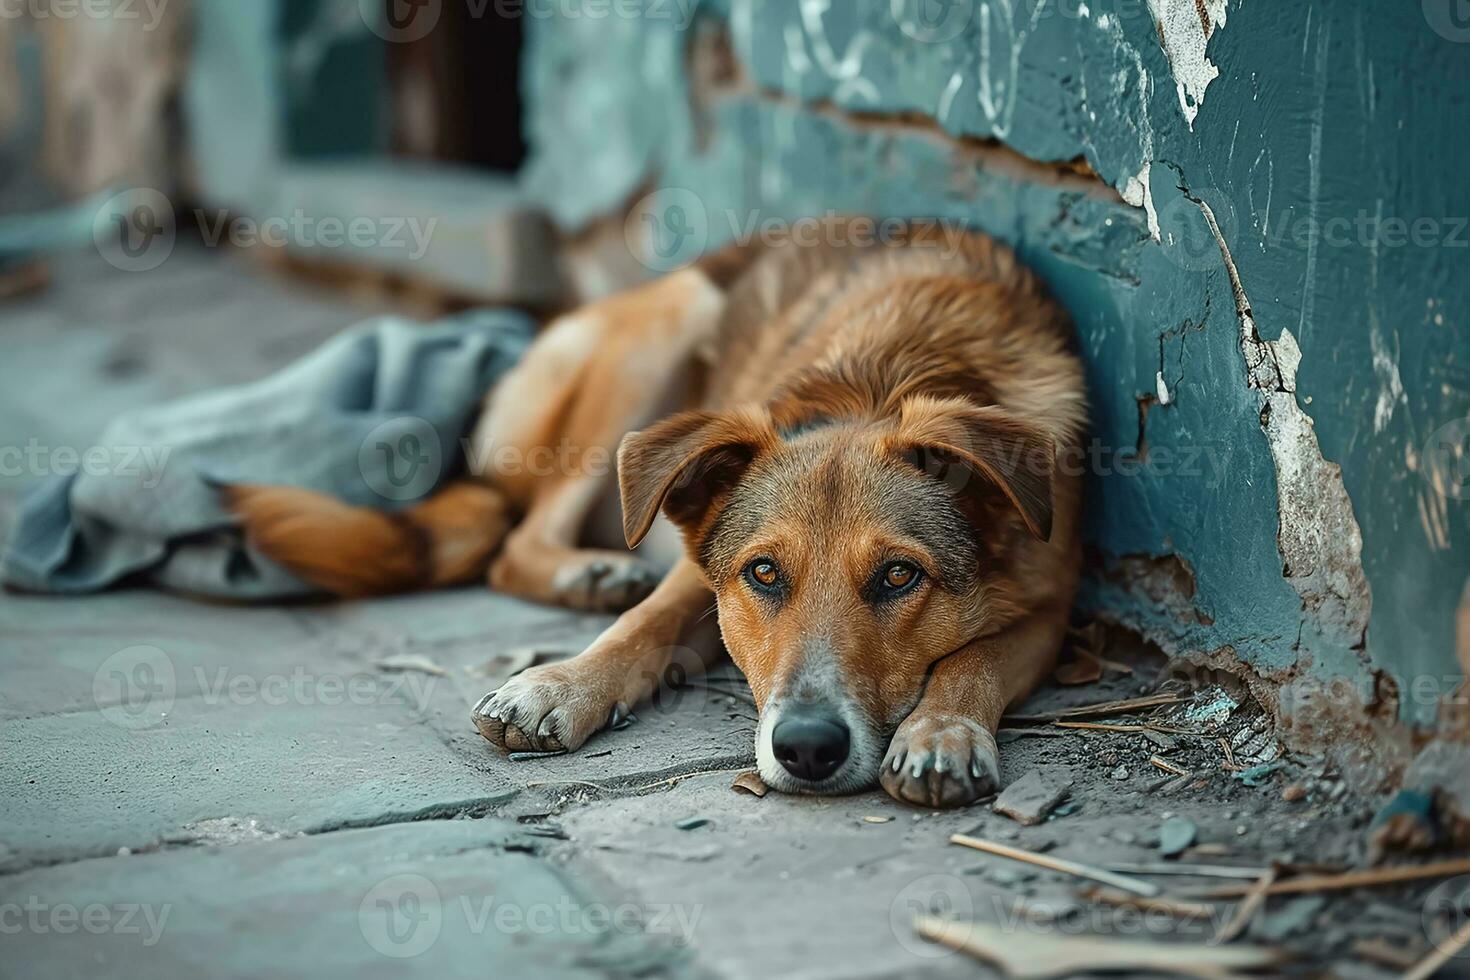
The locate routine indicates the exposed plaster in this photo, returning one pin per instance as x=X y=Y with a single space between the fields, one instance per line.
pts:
x=1161 y=387
x=1318 y=535
x=1185 y=28
x=1136 y=189
x=1138 y=193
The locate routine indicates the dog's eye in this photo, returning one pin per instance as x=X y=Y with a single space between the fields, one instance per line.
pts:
x=763 y=574
x=899 y=575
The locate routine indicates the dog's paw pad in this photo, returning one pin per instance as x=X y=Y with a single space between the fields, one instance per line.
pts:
x=941 y=761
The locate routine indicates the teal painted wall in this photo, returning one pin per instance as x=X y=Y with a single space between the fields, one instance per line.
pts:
x=1327 y=148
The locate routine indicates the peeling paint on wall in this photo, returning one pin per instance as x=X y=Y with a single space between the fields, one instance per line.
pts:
x=1161 y=389
x=1319 y=539
x=1185 y=28
x=1138 y=193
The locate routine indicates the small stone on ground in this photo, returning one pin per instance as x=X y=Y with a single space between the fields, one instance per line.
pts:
x=1029 y=799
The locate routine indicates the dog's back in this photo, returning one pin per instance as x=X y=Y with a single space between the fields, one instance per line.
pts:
x=924 y=307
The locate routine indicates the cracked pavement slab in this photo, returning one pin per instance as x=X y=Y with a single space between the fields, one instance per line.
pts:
x=447 y=898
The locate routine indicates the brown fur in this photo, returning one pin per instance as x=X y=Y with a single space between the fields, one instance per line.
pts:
x=851 y=407
x=354 y=551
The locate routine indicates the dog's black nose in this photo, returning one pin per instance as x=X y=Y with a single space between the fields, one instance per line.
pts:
x=810 y=747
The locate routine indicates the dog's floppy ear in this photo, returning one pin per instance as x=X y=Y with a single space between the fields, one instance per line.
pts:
x=973 y=448
x=684 y=464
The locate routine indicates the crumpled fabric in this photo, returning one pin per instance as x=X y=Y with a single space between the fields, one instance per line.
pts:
x=373 y=417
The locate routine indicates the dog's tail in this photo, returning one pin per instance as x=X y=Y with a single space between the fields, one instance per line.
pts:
x=356 y=551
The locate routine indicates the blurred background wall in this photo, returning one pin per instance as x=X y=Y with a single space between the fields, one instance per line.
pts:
x=1255 y=212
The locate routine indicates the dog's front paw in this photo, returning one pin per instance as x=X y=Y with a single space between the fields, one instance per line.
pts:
x=941 y=761
x=546 y=709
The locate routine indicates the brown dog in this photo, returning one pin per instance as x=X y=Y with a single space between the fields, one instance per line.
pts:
x=867 y=489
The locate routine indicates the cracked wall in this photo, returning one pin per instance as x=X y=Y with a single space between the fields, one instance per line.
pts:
x=1273 y=368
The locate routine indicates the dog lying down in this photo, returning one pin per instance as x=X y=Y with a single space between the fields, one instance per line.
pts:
x=858 y=445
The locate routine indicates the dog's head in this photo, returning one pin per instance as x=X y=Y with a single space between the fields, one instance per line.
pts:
x=846 y=558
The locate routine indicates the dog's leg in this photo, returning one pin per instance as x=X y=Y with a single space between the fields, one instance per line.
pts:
x=558 y=706
x=541 y=561
x=552 y=429
x=944 y=752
